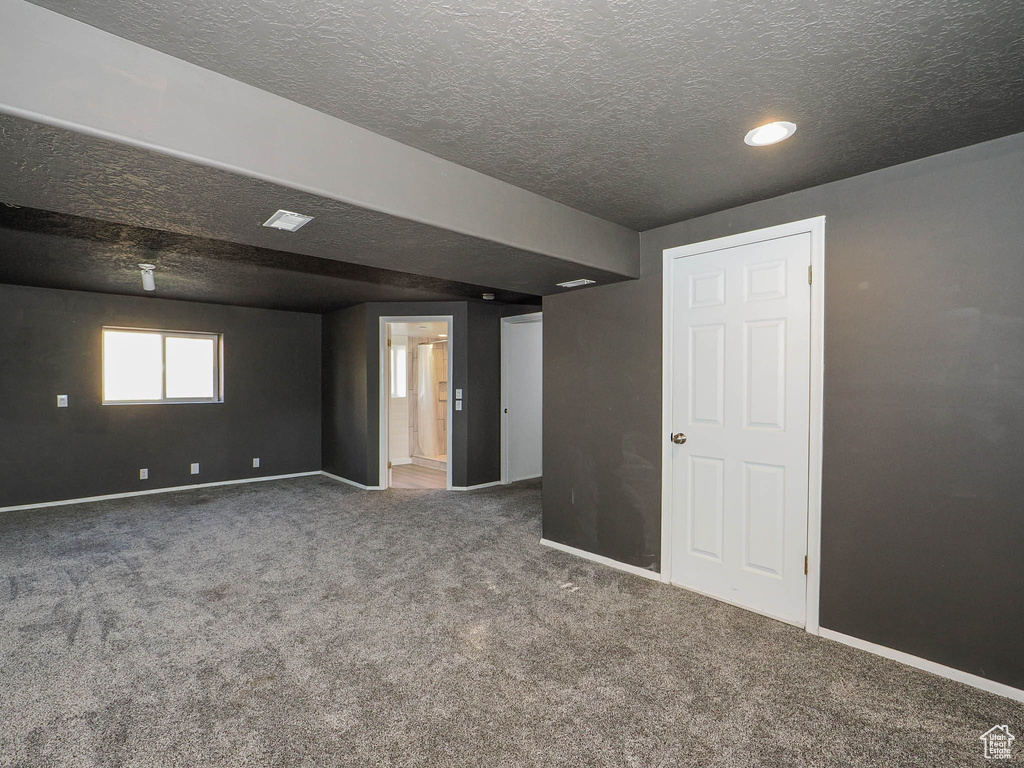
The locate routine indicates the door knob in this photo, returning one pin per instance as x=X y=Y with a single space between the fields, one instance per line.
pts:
x=678 y=438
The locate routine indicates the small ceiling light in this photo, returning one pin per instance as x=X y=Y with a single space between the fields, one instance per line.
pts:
x=148 y=283
x=576 y=283
x=769 y=133
x=288 y=221
x=488 y=297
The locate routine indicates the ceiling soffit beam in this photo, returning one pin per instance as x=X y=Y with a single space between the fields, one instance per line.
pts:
x=70 y=75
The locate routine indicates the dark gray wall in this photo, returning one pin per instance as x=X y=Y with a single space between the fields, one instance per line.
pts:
x=344 y=395
x=351 y=394
x=923 y=518
x=50 y=345
x=483 y=412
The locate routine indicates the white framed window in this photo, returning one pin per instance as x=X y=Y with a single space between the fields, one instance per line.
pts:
x=399 y=375
x=142 y=365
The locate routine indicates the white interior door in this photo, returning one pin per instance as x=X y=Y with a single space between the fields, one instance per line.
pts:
x=521 y=365
x=740 y=378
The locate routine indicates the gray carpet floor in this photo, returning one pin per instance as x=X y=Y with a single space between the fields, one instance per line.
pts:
x=305 y=623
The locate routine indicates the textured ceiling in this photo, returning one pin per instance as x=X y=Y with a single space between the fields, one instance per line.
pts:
x=633 y=111
x=53 y=250
x=56 y=170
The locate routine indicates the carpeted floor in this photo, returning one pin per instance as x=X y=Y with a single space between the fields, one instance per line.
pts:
x=305 y=623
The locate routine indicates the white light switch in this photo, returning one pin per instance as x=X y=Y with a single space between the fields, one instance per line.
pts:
x=143 y=474
x=458 y=394
x=255 y=462
x=62 y=401
x=195 y=468
x=458 y=405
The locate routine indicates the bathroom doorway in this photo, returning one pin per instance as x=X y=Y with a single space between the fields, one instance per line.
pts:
x=416 y=435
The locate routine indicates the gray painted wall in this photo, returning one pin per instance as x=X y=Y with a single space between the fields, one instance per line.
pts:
x=344 y=395
x=923 y=519
x=50 y=345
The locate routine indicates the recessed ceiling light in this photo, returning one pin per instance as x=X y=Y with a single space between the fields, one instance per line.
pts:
x=575 y=283
x=488 y=297
x=287 y=221
x=769 y=133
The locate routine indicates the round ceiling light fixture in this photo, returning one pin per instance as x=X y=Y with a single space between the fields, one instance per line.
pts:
x=769 y=133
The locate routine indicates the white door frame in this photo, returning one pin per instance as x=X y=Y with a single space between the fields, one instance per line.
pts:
x=384 y=367
x=816 y=228
x=533 y=317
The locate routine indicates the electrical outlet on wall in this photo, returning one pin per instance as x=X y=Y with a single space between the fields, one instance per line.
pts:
x=62 y=401
x=458 y=405
x=255 y=463
x=143 y=474
x=195 y=468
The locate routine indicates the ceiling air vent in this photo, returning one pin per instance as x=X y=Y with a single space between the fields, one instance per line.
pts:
x=576 y=283
x=287 y=221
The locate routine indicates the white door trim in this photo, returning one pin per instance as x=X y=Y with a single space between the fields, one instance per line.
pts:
x=816 y=228
x=533 y=317
x=384 y=370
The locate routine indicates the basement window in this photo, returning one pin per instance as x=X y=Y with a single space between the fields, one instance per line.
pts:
x=151 y=366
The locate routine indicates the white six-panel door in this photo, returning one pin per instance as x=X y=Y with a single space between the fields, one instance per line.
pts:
x=740 y=380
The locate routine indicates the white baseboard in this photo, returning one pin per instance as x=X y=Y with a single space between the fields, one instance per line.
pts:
x=524 y=479
x=475 y=487
x=400 y=462
x=634 y=569
x=152 y=491
x=1000 y=689
x=351 y=482
x=423 y=461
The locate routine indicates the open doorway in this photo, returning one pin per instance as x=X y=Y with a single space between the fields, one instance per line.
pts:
x=522 y=352
x=416 y=434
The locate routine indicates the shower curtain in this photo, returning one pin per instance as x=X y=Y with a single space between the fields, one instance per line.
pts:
x=428 y=406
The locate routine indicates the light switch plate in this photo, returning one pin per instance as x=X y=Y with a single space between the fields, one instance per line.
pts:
x=62 y=401
x=458 y=405
x=195 y=468
x=255 y=463
x=458 y=394
x=143 y=474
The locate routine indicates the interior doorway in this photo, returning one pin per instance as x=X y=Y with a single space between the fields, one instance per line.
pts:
x=522 y=352
x=743 y=368
x=416 y=412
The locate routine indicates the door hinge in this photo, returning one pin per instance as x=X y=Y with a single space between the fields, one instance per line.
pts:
x=805 y=565
x=389 y=342
x=389 y=467
x=810 y=275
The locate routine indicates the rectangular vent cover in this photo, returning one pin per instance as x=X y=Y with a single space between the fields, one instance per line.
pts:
x=287 y=221
x=576 y=283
